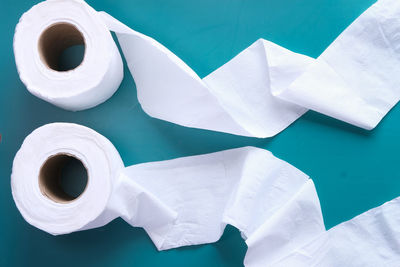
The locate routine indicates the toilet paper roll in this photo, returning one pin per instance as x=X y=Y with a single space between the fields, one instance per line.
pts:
x=227 y=100
x=36 y=181
x=189 y=201
x=44 y=32
x=258 y=93
x=179 y=202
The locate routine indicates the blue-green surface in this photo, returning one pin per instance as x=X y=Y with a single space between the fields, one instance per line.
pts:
x=354 y=170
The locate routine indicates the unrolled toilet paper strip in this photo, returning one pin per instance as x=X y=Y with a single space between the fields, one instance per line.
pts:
x=179 y=202
x=370 y=239
x=258 y=93
x=354 y=80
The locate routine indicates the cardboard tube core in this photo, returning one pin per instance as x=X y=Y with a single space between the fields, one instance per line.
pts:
x=57 y=38
x=50 y=178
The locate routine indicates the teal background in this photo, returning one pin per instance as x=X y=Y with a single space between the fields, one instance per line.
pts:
x=354 y=170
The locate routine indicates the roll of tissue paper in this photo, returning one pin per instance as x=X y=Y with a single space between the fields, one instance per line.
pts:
x=179 y=202
x=258 y=93
x=189 y=201
x=44 y=32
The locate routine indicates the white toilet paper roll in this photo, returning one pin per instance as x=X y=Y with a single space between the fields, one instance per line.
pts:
x=189 y=201
x=36 y=180
x=178 y=202
x=258 y=93
x=44 y=32
x=227 y=100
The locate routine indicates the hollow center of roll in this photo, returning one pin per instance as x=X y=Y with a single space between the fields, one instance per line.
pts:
x=62 y=47
x=63 y=178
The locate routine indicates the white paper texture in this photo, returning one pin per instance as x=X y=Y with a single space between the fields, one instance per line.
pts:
x=370 y=239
